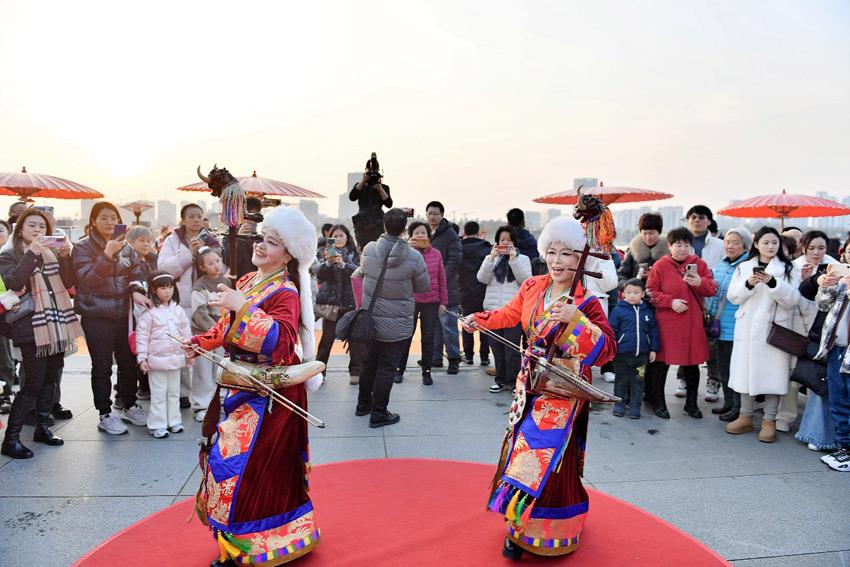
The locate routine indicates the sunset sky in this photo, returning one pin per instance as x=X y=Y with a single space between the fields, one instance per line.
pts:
x=483 y=105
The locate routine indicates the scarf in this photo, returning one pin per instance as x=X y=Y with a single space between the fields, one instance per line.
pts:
x=54 y=323
x=503 y=271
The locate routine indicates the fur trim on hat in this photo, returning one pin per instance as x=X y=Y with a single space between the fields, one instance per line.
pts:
x=562 y=229
x=299 y=238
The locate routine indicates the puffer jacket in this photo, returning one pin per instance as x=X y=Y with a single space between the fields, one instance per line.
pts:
x=102 y=283
x=438 y=292
x=335 y=281
x=635 y=328
x=447 y=241
x=152 y=341
x=500 y=293
x=406 y=274
x=471 y=290
x=723 y=273
x=176 y=258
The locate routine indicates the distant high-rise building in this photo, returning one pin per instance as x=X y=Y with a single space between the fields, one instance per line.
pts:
x=533 y=220
x=166 y=213
x=672 y=217
x=585 y=182
x=85 y=210
x=347 y=207
x=310 y=209
x=552 y=214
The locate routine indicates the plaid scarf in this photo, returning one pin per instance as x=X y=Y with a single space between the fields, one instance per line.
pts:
x=54 y=323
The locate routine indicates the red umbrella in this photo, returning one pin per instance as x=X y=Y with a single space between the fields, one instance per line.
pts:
x=785 y=206
x=254 y=185
x=138 y=207
x=607 y=195
x=28 y=185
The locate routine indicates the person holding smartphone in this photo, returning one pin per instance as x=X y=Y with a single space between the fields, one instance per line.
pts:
x=678 y=284
x=765 y=287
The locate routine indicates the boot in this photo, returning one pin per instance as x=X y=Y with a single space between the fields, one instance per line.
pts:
x=43 y=434
x=660 y=398
x=768 y=431
x=744 y=424
x=426 y=377
x=691 y=395
x=511 y=551
x=5 y=404
x=12 y=446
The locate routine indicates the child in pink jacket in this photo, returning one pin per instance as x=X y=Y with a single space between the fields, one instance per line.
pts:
x=428 y=304
x=160 y=356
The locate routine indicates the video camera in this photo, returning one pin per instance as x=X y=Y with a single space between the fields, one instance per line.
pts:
x=373 y=170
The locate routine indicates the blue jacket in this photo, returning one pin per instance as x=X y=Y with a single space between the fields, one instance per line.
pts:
x=723 y=276
x=635 y=328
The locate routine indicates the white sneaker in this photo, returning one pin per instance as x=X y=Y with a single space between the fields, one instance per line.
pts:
x=839 y=460
x=783 y=426
x=159 y=433
x=176 y=428
x=681 y=389
x=812 y=447
x=109 y=423
x=200 y=415
x=134 y=415
x=711 y=389
x=608 y=377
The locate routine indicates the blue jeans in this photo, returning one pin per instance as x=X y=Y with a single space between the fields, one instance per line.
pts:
x=839 y=396
x=816 y=426
x=447 y=333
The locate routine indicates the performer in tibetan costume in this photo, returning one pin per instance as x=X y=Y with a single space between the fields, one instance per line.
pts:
x=538 y=480
x=254 y=494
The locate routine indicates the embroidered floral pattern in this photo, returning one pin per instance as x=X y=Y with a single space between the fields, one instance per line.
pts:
x=236 y=432
x=551 y=413
x=527 y=465
x=283 y=536
x=220 y=497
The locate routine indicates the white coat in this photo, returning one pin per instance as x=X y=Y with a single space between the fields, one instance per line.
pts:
x=498 y=294
x=152 y=341
x=601 y=286
x=176 y=259
x=712 y=252
x=757 y=367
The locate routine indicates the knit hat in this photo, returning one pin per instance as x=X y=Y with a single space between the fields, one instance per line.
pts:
x=745 y=235
x=561 y=229
x=299 y=238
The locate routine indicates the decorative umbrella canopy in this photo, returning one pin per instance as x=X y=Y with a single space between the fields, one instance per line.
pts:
x=29 y=185
x=138 y=207
x=254 y=185
x=607 y=195
x=785 y=206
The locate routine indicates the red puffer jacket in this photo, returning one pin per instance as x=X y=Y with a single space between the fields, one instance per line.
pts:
x=439 y=291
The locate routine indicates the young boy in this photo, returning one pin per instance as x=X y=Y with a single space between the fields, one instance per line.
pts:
x=634 y=326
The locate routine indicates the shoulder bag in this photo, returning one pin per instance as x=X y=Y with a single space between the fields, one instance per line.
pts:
x=711 y=324
x=357 y=326
x=785 y=339
x=21 y=310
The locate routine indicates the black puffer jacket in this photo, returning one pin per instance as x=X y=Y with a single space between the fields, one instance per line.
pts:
x=16 y=270
x=102 y=283
x=335 y=281
x=471 y=290
x=447 y=241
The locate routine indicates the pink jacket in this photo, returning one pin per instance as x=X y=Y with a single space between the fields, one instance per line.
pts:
x=439 y=290
x=154 y=344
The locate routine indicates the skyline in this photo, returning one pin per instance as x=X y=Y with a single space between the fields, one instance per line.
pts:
x=707 y=101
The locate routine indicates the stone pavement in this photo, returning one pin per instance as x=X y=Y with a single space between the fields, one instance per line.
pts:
x=758 y=505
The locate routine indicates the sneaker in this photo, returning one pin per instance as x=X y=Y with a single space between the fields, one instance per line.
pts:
x=398 y=377
x=184 y=403
x=200 y=415
x=681 y=389
x=485 y=362
x=454 y=367
x=159 y=433
x=711 y=390
x=619 y=410
x=118 y=404
x=5 y=405
x=134 y=415
x=838 y=461
x=360 y=411
x=61 y=412
x=140 y=395
x=496 y=388
x=813 y=447
x=109 y=423
x=426 y=378
x=468 y=360
x=608 y=377
x=388 y=418
x=490 y=371
x=176 y=428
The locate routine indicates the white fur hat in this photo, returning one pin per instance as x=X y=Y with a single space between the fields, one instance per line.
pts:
x=299 y=238
x=561 y=229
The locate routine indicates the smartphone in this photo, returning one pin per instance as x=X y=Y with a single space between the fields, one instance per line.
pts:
x=692 y=269
x=57 y=241
x=408 y=212
x=120 y=230
x=331 y=248
x=203 y=235
x=758 y=269
x=840 y=270
x=503 y=249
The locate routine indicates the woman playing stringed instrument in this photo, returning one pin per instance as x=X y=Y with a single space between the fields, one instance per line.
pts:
x=538 y=480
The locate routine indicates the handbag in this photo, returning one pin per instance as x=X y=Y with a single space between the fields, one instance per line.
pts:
x=811 y=373
x=131 y=333
x=357 y=326
x=785 y=339
x=326 y=311
x=21 y=310
x=709 y=323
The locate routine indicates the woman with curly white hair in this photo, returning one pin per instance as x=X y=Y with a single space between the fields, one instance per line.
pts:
x=545 y=505
x=254 y=493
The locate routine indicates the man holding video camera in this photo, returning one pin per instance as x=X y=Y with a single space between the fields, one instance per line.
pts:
x=371 y=196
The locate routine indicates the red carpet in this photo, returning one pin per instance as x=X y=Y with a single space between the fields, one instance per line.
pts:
x=402 y=512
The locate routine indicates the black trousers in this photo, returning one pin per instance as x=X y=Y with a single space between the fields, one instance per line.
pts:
x=42 y=376
x=376 y=380
x=731 y=398
x=364 y=236
x=107 y=338
x=356 y=351
x=468 y=339
x=428 y=316
x=508 y=360
x=690 y=374
x=627 y=380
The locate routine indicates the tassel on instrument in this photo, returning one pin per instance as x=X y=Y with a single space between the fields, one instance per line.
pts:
x=526 y=515
x=601 y=232
x=499 y=498
x=233 y=205
x=510 y=513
